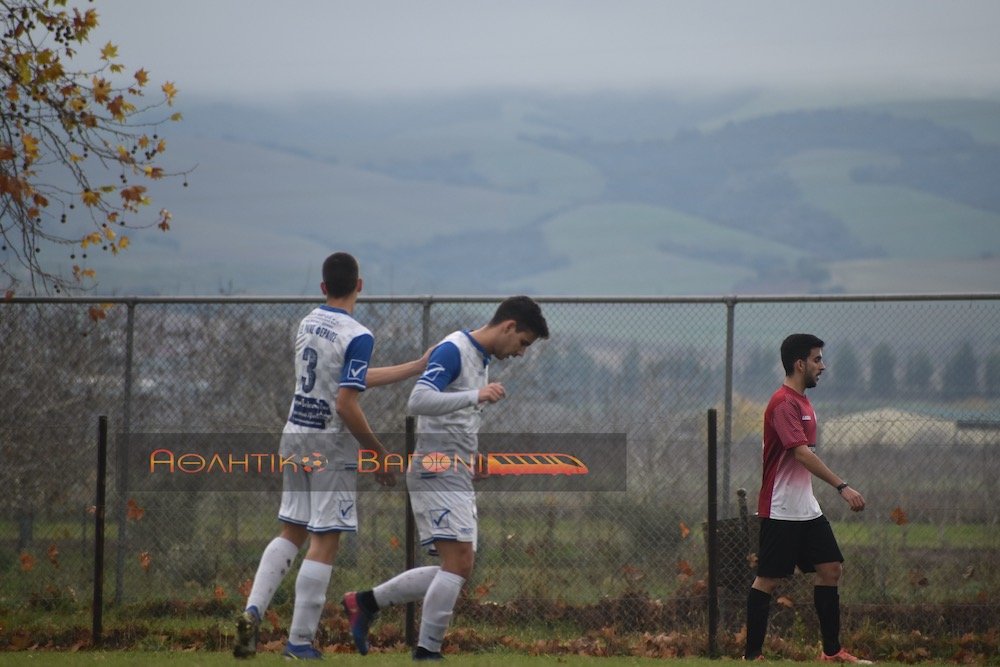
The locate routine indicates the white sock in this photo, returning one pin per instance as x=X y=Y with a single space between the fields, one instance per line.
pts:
x=439 y=602
x=274 y=564
x=310 y=596
x=409 y=586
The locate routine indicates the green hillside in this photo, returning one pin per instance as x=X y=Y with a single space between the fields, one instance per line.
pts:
x=604 y=193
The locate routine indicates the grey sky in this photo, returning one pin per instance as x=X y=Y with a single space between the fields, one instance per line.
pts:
x=259 y=47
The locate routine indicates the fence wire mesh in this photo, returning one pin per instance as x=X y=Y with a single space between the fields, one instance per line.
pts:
x=909 y=413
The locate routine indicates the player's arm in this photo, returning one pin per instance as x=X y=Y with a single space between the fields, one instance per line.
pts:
x=429 y=397
x=808 y=458
x=349 y=410
x=384 y=375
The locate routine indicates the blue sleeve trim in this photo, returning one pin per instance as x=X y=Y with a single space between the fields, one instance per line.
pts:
x=444 y=365
x=356 y=360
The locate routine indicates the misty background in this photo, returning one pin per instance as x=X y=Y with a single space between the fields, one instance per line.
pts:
x=571 y=147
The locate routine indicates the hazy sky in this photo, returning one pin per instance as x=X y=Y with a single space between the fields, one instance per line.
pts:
x=259 y=47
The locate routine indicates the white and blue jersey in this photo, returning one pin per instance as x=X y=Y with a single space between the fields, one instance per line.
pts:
x=332 y=350
x=459 y=367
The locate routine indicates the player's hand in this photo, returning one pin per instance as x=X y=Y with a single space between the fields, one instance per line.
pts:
x=491 y=393
x=425 y=357
x=853 y=498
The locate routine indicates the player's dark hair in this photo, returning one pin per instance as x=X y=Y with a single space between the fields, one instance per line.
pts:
x=796 y=347
x=340 y=274
x=526 y=314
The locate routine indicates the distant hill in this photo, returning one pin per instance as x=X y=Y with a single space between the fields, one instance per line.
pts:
x=589 y=194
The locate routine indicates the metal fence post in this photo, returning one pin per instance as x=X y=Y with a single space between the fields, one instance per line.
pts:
x=122 y=454
x=713 y=537
x=727 y=424
x=97 y=611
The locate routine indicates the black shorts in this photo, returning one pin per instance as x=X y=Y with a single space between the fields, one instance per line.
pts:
x=785 y=544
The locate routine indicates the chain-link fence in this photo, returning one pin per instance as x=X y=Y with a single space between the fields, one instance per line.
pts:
x=909 y=413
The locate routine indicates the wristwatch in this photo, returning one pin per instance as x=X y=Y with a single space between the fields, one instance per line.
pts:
x=841 y=487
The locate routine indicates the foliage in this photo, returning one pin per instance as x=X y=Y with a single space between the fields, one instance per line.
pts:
x=77 y=145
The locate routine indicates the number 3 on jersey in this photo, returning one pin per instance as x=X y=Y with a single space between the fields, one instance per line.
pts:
x=310 y=356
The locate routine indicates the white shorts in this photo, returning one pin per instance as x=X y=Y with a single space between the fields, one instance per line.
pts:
x=444 y=515
x=324 y=499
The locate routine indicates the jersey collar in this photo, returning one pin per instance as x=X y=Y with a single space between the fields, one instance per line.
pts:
x=332 y=309
x=475 y=343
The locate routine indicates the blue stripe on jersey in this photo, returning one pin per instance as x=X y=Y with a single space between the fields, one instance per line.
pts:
x=443 y=366
x=475 y=344
x=356 y=359
x=332 y=309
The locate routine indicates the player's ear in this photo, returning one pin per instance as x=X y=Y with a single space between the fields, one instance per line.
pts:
x=322 y=287
x=361 y=283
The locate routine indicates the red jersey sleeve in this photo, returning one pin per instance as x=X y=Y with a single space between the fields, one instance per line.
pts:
x=787 y=422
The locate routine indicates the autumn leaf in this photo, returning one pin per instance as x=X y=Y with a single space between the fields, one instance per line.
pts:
x=7 y=152
x=142 y=77
x=899 y=517
x=145 y=560
x=219 y=593
x=176 y=116
x=8 y=295
x=483 y=589
x=685 y=531
x=133 y=193
x=123 y=242
x=96 y=314
x=132 y=510
x=684 y=567
x=170 y=91
x=272 y=618
x=699 y=587
x=53 y=553
x=165 y=217
x=102 y=90
x=91 y=198
x=27 y=562
x=394 y=543
x=785 y=601
x=30 y=144
x=109 y=51
x=246 y=587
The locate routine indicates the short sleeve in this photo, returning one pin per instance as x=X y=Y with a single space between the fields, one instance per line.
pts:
x=787 y=423
x=444 y=365
x=356 y=360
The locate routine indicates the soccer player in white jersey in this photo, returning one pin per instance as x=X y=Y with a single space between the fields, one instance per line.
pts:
x=332 y=353
x=793 y=530
x=448 y=398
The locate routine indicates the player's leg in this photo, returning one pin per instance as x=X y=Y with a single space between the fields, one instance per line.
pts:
x=333 y=511
x=363 y=607
x=276 y=560
x=775 y=561
x=457 y=559
x=822 y=555
x=310 y=592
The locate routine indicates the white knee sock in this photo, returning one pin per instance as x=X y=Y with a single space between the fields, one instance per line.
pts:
x=409 y=586
x=438 y=605
x=310 y=596
x=274 y=564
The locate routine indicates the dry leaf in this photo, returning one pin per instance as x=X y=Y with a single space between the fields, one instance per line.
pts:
x=53 y=554
x=27 y=562
x=219 y=593
x=685 y=531
x=394 y=543
x=272 y=618
x=246 y=587
x=684 y=567
x=132 y=510
x=899 y=517
x=145 y=560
